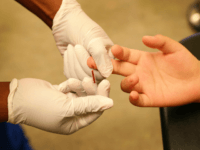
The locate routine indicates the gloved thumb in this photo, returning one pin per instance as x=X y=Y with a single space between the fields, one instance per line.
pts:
x=71 y=85
x=91 y=104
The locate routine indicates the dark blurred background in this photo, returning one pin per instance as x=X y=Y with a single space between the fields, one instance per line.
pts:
x=28 y=50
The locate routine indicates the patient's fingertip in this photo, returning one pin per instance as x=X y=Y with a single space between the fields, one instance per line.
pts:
x=116 y=51
x=115 y=48
x=146 y=38
x=159 y=36
x=91 y=63
x=134 y=97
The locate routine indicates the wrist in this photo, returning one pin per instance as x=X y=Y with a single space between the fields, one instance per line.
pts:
x=12 y=89
x=66 y=7
x=4 y=92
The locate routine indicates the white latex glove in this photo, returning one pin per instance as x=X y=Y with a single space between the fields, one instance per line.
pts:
x=39 y=104
x=75 y=64
x=72 y=26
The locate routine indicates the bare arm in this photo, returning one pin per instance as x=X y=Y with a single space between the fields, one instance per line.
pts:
x=44 y=9
x=4 y=91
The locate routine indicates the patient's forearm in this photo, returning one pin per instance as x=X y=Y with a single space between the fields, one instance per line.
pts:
x=4 y=91
x=44 y=9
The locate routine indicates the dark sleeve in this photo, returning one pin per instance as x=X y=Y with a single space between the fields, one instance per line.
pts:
x=13 y=137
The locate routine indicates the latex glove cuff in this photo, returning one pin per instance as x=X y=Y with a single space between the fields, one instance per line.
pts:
x=13 y=87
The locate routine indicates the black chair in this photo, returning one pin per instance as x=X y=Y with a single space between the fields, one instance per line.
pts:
x=181 y=125
x=193 y=15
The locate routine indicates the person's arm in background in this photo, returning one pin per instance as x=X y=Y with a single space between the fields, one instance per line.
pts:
x=169 y=77
x=4 y=91
x=70 y=25
x=44 y=9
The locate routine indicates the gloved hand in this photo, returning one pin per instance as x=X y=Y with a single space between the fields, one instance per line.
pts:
x=75 y=64
x=39 y=104
x=72 y=26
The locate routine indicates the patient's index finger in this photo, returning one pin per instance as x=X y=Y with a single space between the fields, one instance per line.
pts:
x=91 y=63
x=119 y=67
x=126 y=54
x=123 y=68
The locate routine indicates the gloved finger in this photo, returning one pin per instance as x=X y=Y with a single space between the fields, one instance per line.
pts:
x=62 y=48
x=72 y=85
x=73 y=67
x=76 y=86
x=104 y=88
x=80 y=71
x=66 y=68
x=89 y=86
x=70 y=58
x=91 y=104
x=62 y=87
x=82 y=56
x=101 y=58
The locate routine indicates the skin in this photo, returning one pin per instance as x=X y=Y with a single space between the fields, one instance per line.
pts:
x=169 y=77
x=44 y=9
x=4 y=91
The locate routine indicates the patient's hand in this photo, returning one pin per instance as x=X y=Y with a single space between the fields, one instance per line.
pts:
x=169 y=77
